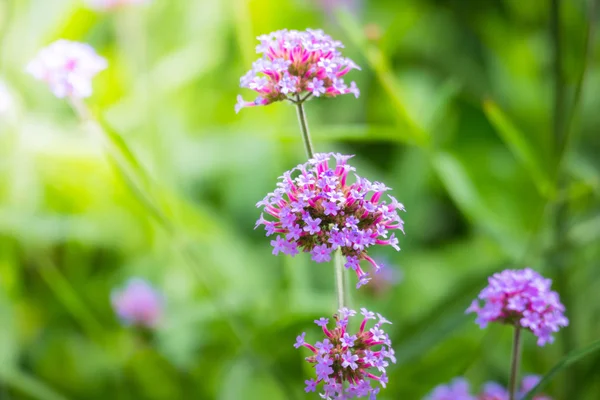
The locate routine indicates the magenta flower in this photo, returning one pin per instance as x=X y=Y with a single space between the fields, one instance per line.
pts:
x=458 y=389
x=67 y=67
x=138 y=303
x=522 y=298
x=346 y=364
x=318 y=211
x=295 y=66
x=105 y=5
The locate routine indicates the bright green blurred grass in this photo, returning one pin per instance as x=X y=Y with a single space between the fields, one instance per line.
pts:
x=456 y=114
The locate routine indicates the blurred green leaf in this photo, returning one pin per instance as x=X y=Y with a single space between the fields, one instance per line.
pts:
x=378 y=61
x=520 y=146
x=29 y=385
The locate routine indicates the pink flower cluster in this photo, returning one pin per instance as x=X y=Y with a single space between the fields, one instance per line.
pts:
x=138 y=303
x=343 y=362
x=67 y=67
x=317 y=211
x=295 y=66
x=104 y=5
x=522 y=298
x=459 y=389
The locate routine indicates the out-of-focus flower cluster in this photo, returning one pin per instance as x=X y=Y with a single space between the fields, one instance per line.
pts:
x=317 y=211
x=346 y=363
x=104 y=5
x=67 y=67
x=295 y=66
x=522 y=298
x=459 y=389
x=386 y=278
x=138 y=303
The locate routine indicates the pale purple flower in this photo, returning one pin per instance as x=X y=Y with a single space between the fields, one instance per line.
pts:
x=138 y=303
x=522 y=298
x=296 y=65
x=349 y=370
x=305 y=215
x=300 y=340
x=386 y=278
x=67 y=67
x=105 y=5
x=311 y=385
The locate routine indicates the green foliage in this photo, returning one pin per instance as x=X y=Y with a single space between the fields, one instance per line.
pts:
x=456 y=114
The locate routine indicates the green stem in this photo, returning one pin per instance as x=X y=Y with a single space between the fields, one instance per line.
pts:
x=559 y=89
x=304 y=128
x=338 y=263
x=514 y=365
x=339 y=278
x=65 y=292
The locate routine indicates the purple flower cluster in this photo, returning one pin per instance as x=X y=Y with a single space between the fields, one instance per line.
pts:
x=295 y=66
x=459 y=389
x=522 y=298
x=344 y=358
x=138 y=303
x=317 y=212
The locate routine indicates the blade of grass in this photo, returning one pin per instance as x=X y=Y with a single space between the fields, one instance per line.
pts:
x=29 y=385
x=68 y=296
x=517 y=142
x=380 y=64
x=570 y=359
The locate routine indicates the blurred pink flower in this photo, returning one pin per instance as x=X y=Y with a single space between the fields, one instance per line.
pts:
x=330 y=6
x=67 y=67
x=138 y=303
x=104 y=5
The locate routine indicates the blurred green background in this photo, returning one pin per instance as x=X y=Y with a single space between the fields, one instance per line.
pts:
x=467 y=109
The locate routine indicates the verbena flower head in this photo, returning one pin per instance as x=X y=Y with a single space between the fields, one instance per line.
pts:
x=295 y=66
x=138 y=303
x=67 y=67
x=104 y=5
x=315 y=209
x=522 y=298
x=349 y=363
x=458 y=389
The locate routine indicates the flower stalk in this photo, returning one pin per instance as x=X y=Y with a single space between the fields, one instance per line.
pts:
x=304 y=128
x=339 y=278
x=514 y=364
x=338 y=264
